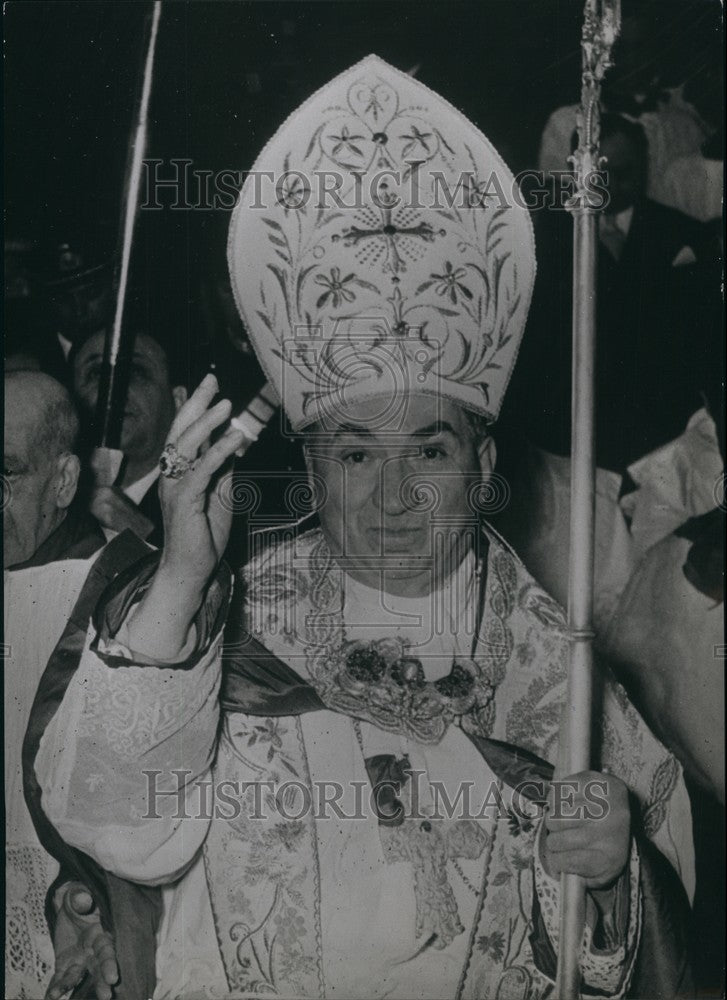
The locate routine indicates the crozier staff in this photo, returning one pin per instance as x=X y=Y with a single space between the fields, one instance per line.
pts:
x=602 y=20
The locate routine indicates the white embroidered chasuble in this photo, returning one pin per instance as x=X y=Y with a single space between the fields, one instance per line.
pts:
x=330 y=906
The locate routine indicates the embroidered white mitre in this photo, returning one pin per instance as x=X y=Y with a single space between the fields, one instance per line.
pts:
x=379 y=247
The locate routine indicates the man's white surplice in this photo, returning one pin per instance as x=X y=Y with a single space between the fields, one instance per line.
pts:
x=38 y=602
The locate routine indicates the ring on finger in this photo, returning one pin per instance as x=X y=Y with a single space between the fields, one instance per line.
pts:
x=172 y=464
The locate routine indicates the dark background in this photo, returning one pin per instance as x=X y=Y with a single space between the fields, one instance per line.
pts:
x=227 y=75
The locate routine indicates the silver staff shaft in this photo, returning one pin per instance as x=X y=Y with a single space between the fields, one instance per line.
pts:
x=600 y=27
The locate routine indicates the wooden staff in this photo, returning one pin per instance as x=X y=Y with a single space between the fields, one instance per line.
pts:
x=111 y=399
x=600 y=28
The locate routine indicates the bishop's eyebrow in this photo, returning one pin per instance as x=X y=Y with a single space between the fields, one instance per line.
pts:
x=432 y=430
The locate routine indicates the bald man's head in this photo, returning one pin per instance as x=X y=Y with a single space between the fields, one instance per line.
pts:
x=49 y=408
x=41 y=467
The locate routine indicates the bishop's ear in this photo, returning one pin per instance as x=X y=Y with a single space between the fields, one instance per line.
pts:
x=487 y=454
x=67 y=472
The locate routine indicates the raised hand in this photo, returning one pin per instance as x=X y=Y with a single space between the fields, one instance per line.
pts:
x=82 y=947
x=196 y=525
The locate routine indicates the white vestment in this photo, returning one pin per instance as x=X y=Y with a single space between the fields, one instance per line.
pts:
x=327 y=904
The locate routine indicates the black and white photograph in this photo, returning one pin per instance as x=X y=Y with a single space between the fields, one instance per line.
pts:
x=363 y=499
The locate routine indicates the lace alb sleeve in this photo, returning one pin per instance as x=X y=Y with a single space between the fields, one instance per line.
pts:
x=121 y=762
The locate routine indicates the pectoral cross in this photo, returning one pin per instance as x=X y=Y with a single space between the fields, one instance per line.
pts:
x=386 y=204
x=428 y=845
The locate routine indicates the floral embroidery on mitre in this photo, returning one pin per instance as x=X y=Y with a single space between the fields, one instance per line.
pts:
x=384 y=683
x=386 y=253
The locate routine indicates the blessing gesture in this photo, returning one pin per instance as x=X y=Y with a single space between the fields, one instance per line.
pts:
x=196 y=524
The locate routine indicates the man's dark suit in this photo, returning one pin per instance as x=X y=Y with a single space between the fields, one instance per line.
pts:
x=658 y=336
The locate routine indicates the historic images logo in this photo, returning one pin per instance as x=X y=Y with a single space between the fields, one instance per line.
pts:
x=176 y=184
x=175 y=795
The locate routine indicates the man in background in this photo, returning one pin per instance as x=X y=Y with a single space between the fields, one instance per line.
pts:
x=659 y=534
x=655 y=361
x=48 y=542
x=40 y=521
x=154 y=395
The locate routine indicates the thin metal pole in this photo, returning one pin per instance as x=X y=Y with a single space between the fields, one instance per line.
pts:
x=576 y=729
x=600 y=27
x=110 y=406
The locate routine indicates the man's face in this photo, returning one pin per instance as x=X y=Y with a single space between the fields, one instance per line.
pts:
x=31 y=510
x=379 y=486
x=150 y=406
x=626 y=179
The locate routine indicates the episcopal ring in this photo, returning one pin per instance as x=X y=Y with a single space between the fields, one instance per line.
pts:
x=172 y=464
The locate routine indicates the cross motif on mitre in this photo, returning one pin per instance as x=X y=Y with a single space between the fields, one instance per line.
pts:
x=386 y=202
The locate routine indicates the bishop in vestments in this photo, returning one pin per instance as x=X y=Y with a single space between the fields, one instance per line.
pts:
x=350 y=793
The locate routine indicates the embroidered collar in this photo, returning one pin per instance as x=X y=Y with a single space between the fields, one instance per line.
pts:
x=383 y=680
